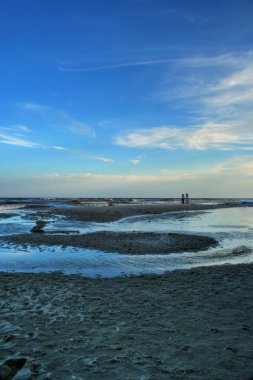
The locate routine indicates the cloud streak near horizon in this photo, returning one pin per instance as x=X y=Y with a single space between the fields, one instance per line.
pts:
x=12 y=136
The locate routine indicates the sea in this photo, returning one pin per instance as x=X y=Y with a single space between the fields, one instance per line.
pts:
x=231 y=227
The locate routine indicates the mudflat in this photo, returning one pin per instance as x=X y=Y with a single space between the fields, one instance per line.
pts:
x=122 y=242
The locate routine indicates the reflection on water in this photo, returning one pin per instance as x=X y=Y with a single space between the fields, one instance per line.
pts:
x=232 y=227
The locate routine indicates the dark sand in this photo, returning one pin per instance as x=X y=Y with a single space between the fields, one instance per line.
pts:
x=122 y=242
x=112 y=213
x=194 y=324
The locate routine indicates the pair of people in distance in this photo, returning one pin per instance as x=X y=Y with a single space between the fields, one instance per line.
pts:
x=185 y=198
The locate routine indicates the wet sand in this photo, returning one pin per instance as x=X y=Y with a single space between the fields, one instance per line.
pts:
x=112 y=213
x=194 y=324
x=122 y=242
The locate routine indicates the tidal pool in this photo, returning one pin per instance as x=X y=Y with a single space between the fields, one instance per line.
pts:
x=232 y=227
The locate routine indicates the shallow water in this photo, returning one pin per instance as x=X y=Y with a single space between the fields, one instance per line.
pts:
x=232 y=227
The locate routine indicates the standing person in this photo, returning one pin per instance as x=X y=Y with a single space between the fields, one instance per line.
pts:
x=182 y=198
x=187 y=197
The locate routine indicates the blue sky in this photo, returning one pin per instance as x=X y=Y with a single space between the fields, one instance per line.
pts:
x=118 y=98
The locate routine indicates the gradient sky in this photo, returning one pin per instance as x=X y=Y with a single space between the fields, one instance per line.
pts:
x=126 y=98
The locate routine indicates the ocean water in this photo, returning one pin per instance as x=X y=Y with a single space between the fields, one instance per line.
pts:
x=232 y=227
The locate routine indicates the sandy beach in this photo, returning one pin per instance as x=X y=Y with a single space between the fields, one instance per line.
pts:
x=112 y=213
x=194 y=324
x=186 y=324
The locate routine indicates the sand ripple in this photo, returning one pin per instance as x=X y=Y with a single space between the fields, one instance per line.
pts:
x=184 y=325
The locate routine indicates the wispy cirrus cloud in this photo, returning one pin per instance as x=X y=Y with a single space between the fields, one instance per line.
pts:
x=239 y=166
x=143 y=57
x=64 y=121
x=111 y=65
x=147 y=56
x=15 y=135
x=111 y=59
x=13 y=140
x=228 y=60
x=58 y=119
x=208 y=136
x=222 y=102
x=83 y=153
x=238 y=78
x=233 y=90
x=195 y=79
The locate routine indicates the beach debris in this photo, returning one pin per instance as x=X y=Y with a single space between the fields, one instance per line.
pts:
x=10 y=367
x=40 y=224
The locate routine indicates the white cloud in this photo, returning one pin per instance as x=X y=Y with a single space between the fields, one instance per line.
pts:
x=211 y=135
x=234 y=97
x=234 y=89
x=230 y=61
x=15 y=135
x=83 y=153
x=59 y=148
x=135 y=162
x=108 y=179
x=220 y=91
x=232 y=178
x=242 y=77
x=14 y=140
x=238 y=166
x=219 y=80
x=103 y=159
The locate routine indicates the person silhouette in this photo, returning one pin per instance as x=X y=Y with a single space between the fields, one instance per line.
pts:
x=182 y=198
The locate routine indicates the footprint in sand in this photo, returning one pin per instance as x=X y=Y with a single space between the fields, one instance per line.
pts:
x=10 y=367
